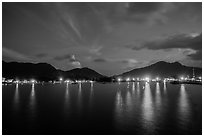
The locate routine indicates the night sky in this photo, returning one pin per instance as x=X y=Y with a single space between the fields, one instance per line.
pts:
x=110 y=38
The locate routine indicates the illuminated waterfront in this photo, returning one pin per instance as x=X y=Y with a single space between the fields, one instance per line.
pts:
x=94 y=108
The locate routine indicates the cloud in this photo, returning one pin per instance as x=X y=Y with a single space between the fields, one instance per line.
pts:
x=41 y=55
x=100 y=60
x=161 y=12
x=63 y=57
x=9 y=53
x=72 y=24
x=129 y=63
x=133 y=63
x=196 y=56
x=75 y=63
x=96 y=50
x=140 y=12
x=71 y=60
x=182 y=41
x=176 y=41
x=143 y=7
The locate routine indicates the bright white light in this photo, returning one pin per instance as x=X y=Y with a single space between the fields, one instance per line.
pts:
x=32 y=80
x=119 y=79
x=182 y=78
x=127 y=79
x=133 y=79
x=91 y=81
x=147 y=79
x=66 y=81
x=17 y=81
x=157 y=78
x=60 y=79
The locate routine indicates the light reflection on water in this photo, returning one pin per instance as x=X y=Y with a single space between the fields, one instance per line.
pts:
x=134 y=107
x=138 y=90
x=32 y=103
x=119 y=103
x=32 y=109
x=91 y=95
x=133 y=88
x=147 y=109
x=16 y=97
x=79 y=98
x=128 y=102
x=66 y=100
x=158 y=96
x=183 y=106
x=165 y=87
x=128 y=85
x=67 y=94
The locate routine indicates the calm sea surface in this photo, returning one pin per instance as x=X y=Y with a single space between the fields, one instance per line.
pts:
x=125 y=108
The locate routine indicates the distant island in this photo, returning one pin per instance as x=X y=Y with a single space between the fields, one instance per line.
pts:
x=46 y=72
x=163 y=69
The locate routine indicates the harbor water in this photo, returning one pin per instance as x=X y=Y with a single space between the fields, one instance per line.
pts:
x=102 y=109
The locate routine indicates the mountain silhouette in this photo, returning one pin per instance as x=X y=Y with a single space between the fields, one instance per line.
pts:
x=163 y=69
x=45 y=72
x=81 y=73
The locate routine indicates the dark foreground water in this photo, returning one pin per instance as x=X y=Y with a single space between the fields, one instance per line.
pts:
x=126 y=108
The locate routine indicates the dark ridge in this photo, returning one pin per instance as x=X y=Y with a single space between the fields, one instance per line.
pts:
x=45 y=72
x=163 y=69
